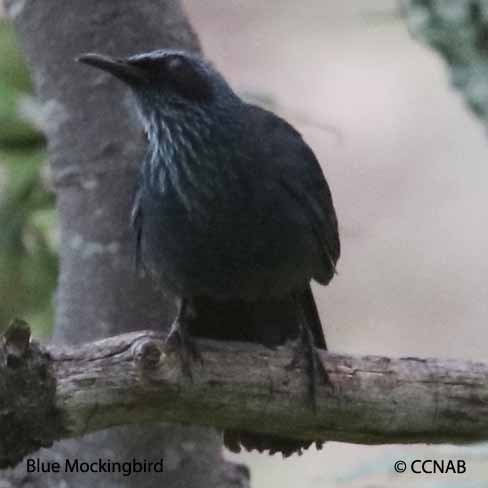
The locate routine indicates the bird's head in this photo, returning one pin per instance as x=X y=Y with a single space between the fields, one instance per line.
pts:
x=169 y=81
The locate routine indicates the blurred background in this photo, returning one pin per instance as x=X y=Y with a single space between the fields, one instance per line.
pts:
x=407 y=165
x=28 y=258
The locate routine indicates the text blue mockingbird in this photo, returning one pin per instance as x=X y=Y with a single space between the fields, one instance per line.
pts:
x=232 y=214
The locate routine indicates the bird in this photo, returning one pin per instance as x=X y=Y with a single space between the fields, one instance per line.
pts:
x=232 y=214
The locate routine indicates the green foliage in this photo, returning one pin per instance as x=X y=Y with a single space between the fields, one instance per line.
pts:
x=13 y=70
x=15 y=131
x=28 y=257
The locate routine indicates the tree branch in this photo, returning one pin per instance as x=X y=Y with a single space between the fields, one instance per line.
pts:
x=130 y=379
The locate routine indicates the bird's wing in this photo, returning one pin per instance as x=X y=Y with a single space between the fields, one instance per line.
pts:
x=300 y=175
x=309 y=188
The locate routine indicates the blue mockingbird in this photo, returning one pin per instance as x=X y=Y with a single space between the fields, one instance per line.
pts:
x=232 y=214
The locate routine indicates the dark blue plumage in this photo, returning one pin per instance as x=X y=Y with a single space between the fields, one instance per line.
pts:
x=232 y=211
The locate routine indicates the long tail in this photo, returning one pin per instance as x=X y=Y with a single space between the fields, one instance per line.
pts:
x=270 y=323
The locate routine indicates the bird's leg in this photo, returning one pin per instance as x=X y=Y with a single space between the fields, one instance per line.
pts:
x=305 y=348
x=179 y=337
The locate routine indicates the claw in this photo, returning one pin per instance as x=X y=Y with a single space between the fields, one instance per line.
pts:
x=179 y=338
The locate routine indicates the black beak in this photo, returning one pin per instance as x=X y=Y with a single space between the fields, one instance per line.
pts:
x=118 y=67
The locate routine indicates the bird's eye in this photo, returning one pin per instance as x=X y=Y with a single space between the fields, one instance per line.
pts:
x=175 y=73
x=174 y=63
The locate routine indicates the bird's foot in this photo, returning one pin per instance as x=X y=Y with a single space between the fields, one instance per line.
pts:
x=180 y=339
x=304 y=349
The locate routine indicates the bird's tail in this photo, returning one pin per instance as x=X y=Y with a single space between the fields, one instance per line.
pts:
x=272 y=323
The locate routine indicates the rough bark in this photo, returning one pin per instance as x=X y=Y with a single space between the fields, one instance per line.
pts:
x=458 y=31
x=132 y=378
x=94 y=148
x=29 y=418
